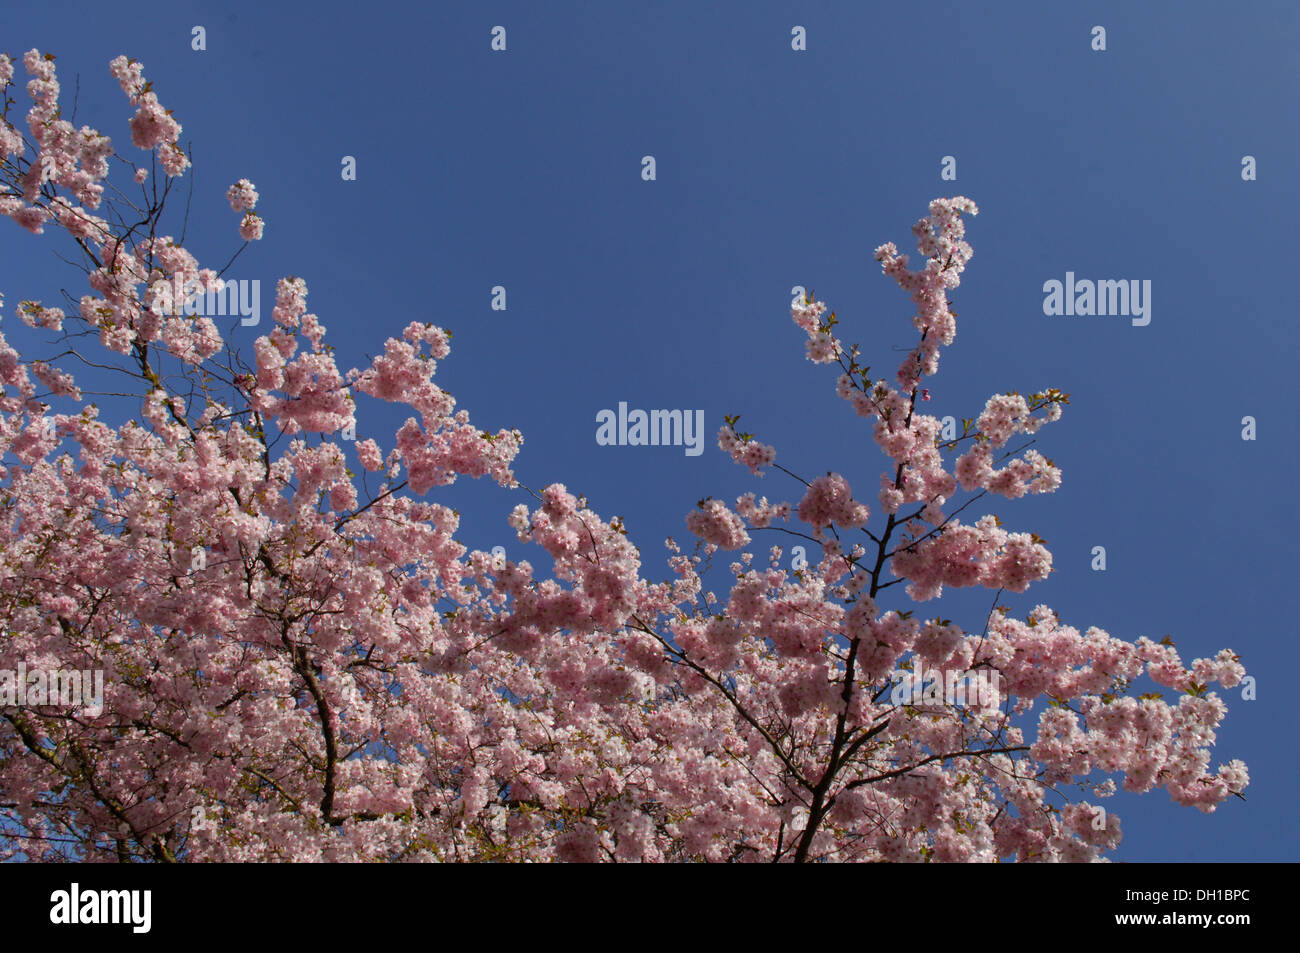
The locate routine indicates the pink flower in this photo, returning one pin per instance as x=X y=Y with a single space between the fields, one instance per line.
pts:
x=714 y=523
x=250 y=229
x=829 y=500
x=369 y=454
x=242 y=196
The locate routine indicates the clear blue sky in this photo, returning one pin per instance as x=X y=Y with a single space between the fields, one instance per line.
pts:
x=778 y=168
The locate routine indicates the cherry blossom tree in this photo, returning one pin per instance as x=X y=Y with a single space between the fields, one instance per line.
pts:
x=300 y=665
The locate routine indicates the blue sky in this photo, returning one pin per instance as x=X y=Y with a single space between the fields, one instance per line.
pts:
x=777 y=168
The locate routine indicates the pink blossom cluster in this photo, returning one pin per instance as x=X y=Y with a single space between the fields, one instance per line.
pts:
x=751 y=453
x=716 y=524
x=823 y=346
x=981 y=554
x=243 y=198
x=940 y=238
x=760 y=514
x=71 y=158
x=830 y=500
x=1033 y=474
x=152 y=126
